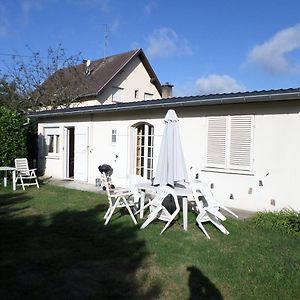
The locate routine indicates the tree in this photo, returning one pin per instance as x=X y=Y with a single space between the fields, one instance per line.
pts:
x=46 y=82
x=8 y=94
x=12 y=136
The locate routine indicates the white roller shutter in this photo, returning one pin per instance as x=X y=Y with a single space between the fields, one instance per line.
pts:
x=216 y=143
x=240 y=142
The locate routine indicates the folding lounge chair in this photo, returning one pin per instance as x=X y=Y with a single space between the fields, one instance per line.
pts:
x=211 y=201
x=117 y=199
x=208 y=212
x=24 y=174
x=158 y=210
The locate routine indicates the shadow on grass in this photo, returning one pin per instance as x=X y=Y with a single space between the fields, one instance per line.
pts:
x=201 y=287
x=7 y=201
x=72 y=255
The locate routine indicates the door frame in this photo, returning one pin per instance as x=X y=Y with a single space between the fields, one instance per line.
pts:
x=69 y=147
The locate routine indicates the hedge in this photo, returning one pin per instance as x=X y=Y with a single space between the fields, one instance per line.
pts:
x=12 y=136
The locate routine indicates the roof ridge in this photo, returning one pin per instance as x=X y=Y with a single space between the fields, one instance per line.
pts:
x=135 y=52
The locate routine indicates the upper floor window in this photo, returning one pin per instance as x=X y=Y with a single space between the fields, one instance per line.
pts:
x=148 y=96
x=136 y=94
x=117 y=94
x=113 y=136
x=230 y=142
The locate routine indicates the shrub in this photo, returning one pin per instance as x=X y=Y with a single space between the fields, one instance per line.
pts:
x=12 y=136
x=286 y=221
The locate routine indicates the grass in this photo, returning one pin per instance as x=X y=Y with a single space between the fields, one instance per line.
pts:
x=53 y=245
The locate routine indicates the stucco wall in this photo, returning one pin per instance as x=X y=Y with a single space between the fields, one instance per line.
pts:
x=271 y=184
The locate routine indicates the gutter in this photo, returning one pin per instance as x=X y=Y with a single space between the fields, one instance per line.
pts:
x=258 y=97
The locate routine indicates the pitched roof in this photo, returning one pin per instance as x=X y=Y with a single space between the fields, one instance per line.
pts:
x=273 y=96
x=103 y=70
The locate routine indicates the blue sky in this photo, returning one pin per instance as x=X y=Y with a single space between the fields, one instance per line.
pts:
x=200 y=46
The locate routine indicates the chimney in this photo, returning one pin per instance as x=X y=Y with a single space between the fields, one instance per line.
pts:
x=167 y=90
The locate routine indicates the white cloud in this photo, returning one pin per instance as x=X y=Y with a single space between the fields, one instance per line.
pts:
x=165 y=42
x=215 y=84
x=272 y=56
x=149 y=7
x=114 y=25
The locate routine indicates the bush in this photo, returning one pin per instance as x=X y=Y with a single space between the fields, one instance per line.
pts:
x=12 y=136
x=286 y=221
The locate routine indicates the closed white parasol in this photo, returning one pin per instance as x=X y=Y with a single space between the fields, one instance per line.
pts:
x=171 y=168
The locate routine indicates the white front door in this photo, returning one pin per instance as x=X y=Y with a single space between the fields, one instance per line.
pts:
x=81 y=153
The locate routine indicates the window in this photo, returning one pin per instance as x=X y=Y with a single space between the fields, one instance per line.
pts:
x=136 y=94
x=229 y=142
x=148 y=96
x=52 y=140
x=113 y=136
x=117 y=94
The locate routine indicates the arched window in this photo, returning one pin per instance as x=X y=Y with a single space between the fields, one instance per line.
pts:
x=144 y=150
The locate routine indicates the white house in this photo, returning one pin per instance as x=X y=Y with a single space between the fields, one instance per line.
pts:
x=244 y=145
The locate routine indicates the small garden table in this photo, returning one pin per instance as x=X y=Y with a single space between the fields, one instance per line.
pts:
x=13 y=171
x=183 y=192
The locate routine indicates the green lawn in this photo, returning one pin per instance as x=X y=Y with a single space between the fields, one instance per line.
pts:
x=53 y=245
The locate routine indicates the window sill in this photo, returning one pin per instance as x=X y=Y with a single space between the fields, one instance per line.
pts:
x=52 y=156
x=228 y=171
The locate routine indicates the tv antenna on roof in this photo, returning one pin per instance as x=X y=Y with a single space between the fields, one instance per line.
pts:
x=106 y=32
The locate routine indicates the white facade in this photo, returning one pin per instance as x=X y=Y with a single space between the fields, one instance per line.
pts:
x=269 y=183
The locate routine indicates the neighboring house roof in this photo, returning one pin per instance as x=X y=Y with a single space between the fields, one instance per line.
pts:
x=102 y=71
x=204 y=100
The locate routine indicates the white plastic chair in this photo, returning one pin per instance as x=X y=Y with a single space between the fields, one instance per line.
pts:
x=139 y=197
x=117 y=199
x=133 y=180
x=208 y=210
x=24 y=174
x=158 y=210
x=211 y=202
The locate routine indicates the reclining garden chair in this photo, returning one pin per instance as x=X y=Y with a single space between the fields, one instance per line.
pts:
x=24 y=174
x=209 y=208
x=117 y=199
x=210 y=200
x=158 y=210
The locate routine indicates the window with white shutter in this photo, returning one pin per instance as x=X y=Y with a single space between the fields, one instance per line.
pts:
x=229 y=142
